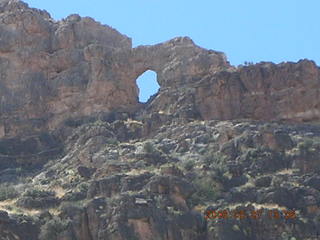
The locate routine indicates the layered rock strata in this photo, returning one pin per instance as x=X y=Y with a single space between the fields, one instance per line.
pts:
x=53 y=71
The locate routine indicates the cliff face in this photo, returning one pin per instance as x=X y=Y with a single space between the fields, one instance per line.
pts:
x=82 y=159
x=265 y=91
x=52 y=71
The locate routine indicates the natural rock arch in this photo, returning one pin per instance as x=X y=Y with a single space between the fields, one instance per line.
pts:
x=147 y=85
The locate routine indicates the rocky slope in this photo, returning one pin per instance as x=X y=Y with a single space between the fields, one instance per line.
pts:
x=82 y=159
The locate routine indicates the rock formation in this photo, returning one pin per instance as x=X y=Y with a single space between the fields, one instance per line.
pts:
x=52 y=71
x=81 y=158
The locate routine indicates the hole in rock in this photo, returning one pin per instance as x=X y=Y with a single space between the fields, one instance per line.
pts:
x=148 y=85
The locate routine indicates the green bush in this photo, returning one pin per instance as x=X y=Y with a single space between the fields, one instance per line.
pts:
x=206 y=186
x=218 y=164
x=38 y=193
x=37 y=198
x=74 y=196
x=152 y=154
x=112 y=141
x=219 y=172
x=51 y=229
x=189 y=165
x=7 y=192
x=83 y=187
x=308 y=145
x=212 y=157
x=149 y=148
x=207 y=189
x=260 y=152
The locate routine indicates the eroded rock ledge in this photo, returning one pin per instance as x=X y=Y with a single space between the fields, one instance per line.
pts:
x=81 y=158
x=53 y=71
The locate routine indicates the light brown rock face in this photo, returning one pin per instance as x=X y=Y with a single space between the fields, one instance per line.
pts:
x=123 y=170
x=53 y=71
x=265 y=91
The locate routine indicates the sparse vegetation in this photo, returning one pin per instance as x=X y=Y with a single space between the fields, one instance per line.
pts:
x=83 y=187
x=219 y=173
x=189 y=165
x=308 y=146
x=52 y=228
x=82 y=158
x=38 y=193
x=37 y=198
x=207 y=190
x=112 y=141
x=246 y=63
x=7 y=192
x=152 y=154
x=149 y=148
x=214 y=158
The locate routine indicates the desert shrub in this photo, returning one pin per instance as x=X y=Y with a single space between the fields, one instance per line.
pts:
x=74 y=196
x=152 y=155
x=52 y=228
x=38 y=193
x=256 y=153
x=217 y=163
x=206 y=186
x=83 y=187
x=7 y=192
x=305 y=144
x=149 y=148
x=308 y=146
x=112 y=141
x=37 y=198
x=266 y=160
x=214 y=158
x=246 y=63
x=80 y=193
x=207 y=189
x=219 y=172
x=189 y=165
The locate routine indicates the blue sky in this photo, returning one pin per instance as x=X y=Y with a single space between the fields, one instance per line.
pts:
x=246 y=30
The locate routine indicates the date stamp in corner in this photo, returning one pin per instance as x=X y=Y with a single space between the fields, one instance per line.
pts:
x=253 y=214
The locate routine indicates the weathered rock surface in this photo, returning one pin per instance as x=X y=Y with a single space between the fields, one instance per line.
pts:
x=82 y=159
x=265 y=91
x=53 y=71
x=129 y=195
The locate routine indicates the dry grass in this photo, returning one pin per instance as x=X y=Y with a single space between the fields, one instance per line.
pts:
x=249 y=184
x=286 y=171
x=135 y=172
x=60 y=192
x=5 y=204
x=130 y=120
x=10 y=207
x=54 y=211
